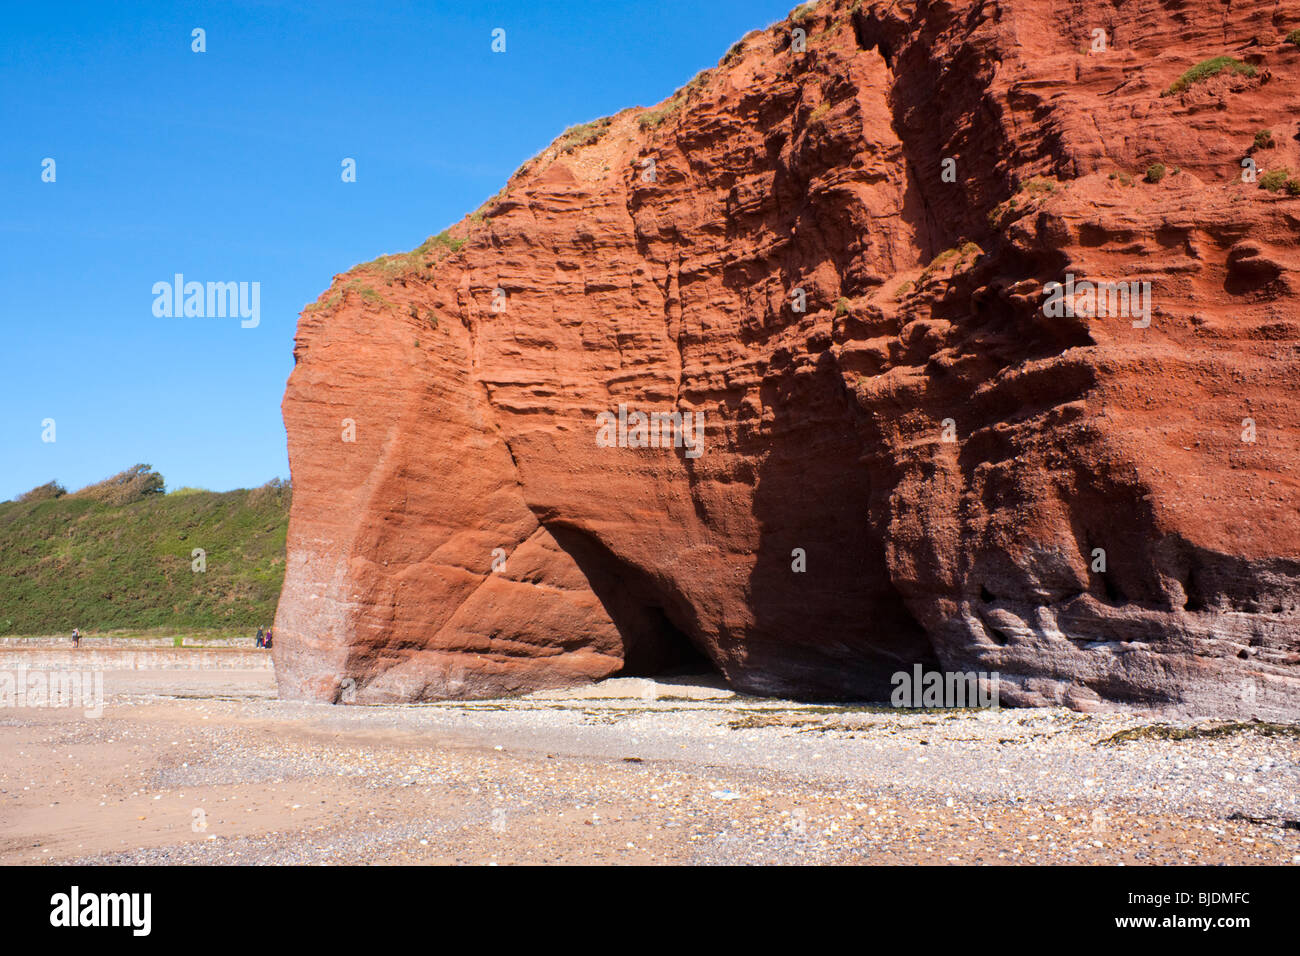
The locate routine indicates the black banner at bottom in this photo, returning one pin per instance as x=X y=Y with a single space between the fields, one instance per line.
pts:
x=301 y=905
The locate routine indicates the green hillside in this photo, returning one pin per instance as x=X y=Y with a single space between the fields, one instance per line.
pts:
x=118 y=554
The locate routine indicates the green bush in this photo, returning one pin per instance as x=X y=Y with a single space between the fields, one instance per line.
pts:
x=1274 y=179
x=584 y=134
x=1293 y=37
x=45 y=492
x=124 y=487
x=442 y=240
x=368 y=293
x=1264 y=139
x=1208 y=68
x=945 y=256
x=1155 y=172
x=966 y=250
x=841 y=306
x=1293 y=187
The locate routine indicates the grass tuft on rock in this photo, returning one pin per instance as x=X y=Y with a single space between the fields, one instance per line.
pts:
x=584 y=134
x=967 y=250
x=652 y=119
x=803 y=11
x=1206 y=69
x=1275 y=179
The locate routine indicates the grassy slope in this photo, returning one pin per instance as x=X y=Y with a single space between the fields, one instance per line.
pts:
x=70 y=562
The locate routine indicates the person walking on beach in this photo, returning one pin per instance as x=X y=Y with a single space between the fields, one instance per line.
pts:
x=76 y=637
x=268 y=638
x=260 y=640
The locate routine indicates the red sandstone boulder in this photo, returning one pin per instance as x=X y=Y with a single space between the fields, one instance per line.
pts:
x=930 y=463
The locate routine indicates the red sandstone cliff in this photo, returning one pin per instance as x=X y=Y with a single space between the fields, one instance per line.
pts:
x=825 y=430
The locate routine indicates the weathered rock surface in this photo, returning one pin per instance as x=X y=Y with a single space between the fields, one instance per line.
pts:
x=472 y=373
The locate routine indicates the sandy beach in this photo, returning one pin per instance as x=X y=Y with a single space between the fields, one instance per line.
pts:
x=207 y=767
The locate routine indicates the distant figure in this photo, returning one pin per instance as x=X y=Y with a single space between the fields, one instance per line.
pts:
x=268 y=638
x=76 y=637
x=260 y=639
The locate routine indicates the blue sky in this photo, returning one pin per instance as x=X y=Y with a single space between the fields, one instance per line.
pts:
x=225 y=166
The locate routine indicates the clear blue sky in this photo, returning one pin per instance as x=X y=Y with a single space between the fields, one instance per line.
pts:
x=225 y=166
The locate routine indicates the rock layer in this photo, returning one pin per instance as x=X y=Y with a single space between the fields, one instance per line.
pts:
x=922 y=466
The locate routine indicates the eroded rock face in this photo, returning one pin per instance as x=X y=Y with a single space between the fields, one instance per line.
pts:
x=1103 y=512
